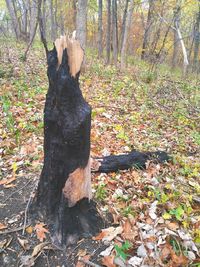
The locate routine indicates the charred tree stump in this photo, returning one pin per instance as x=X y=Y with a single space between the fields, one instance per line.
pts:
x=64 y=190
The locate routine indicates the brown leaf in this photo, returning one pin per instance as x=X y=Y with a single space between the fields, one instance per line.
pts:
x=7 y=181
x=24 y=243
x=38 y=249
x=40 y=231
x=178 y=261
x=3 y=226
x=108 y=261
x=81 y=263
x=100 y=236
x=129 y=233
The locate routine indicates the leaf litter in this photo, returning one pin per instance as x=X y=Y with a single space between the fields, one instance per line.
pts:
x=156 y=210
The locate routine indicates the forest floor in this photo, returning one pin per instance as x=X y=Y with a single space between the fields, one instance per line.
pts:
x=156 y=211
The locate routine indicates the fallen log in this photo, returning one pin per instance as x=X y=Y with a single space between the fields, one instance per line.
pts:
x=135 y=159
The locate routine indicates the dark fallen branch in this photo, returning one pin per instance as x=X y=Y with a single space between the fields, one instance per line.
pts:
x=136 y=159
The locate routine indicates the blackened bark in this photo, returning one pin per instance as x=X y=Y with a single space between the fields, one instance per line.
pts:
x=63 y=192
x=135 y=159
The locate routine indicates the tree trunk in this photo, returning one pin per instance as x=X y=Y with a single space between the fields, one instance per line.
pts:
x=147 y=30
x=81 y=22
x=33 y=19
x=114 y=31
x=108 y=32
x=127 y=27
x=53 y=32
x=100 y=29
x=124 y=23
x=36 y=11
x=185 y=57
x=64 y=190
x=196 y=42
x=176 y=40
x=44 y=18
x=14 y=19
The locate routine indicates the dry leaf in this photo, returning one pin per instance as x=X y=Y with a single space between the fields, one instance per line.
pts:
x=173 y=226
x=129 y=233
x=109 y=234
x=7 y=181
x=37 y=249
x=41 y=231
x=80 y=262
x=24 y=243
x=29 y=229
x=108 y=261
x=2 y=226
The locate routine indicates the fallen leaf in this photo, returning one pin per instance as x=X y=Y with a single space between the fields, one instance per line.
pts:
x=108 y=261
x=109 y=234
x=129 y=233
x=5 y=243
x=24 y=243
x=107 y=251
x=41 y=231
x=37 y=249
x=173 y=226
x=29 y=229
x=81 y=263
x=27 y=261
x=7 y=181
x=135 y=261
x=2 y=226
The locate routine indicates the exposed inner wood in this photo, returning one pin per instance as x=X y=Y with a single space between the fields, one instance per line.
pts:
x=78 y=185
x=74 y=51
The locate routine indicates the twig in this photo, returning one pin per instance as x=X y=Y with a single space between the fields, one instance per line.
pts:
x=12 y=230
x=89 y=263
x=26 y=210
x=16 y=191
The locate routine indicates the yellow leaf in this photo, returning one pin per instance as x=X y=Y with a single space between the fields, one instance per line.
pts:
x=14 y=167
x=166 y=216
x=29 y=230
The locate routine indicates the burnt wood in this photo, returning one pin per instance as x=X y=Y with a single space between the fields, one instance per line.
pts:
x=135 y=158
x=67 y=123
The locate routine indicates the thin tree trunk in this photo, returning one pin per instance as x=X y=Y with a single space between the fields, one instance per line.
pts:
x=114 y=31
x=124 y=23
x=185 y=57
x=14 y=19
x=53 y=33
x=100 y=29
x=176 y=40
x=108 y=32
x=147 y=30
x=33 y=19
x=34 y=27
x=44 y=18
x=81 y=22
x=127 y=27
x=196 y=42
x=74 y=12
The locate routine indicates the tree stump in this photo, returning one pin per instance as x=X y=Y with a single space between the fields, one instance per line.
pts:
x=63 y=197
